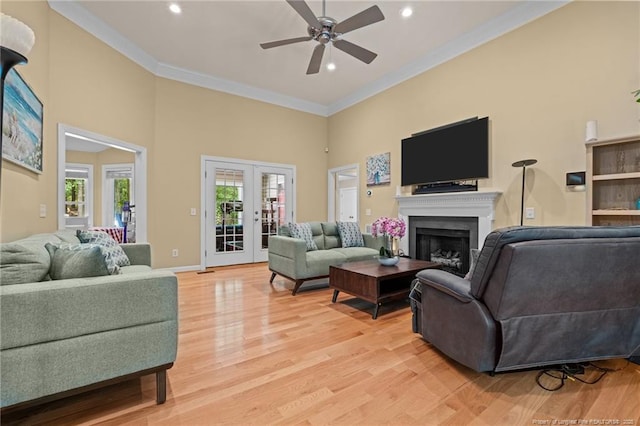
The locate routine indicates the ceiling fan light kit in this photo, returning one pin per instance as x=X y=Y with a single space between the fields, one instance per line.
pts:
x=324 y=30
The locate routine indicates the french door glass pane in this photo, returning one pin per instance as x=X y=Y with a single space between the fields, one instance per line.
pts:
x=273 y=205
x=229 y=217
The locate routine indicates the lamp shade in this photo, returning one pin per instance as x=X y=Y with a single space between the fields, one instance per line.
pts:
x=16 y=35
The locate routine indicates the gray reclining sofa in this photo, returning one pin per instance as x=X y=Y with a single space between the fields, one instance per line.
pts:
x=538 y=296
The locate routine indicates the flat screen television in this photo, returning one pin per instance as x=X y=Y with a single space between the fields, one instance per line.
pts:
x=451 y=153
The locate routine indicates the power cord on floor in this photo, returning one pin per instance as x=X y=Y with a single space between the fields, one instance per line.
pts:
x=570 y=371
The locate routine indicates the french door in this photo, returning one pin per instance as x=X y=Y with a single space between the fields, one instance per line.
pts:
x=245 y=203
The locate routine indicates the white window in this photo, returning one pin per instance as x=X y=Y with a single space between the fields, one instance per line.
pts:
x=117 y=189
x=78 y=202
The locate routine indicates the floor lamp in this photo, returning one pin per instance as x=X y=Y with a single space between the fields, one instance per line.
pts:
x=523 y=164
x=16 y=41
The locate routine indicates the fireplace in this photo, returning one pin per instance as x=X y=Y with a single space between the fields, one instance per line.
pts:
x=467 y=211
x=448 y=247
x=445 y=240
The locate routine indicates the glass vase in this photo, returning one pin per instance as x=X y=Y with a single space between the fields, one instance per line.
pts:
x=391 y=245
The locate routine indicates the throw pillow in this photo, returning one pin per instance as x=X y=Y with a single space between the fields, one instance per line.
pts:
x=303 y=232
x=24 y=261
x=76 y=261
x=473 y=259
x=350 y=234
x=112 y=248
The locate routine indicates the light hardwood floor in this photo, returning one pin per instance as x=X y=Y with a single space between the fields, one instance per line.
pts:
x=250 y=353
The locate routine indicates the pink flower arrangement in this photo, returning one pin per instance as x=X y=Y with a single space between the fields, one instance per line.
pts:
x=388 y=226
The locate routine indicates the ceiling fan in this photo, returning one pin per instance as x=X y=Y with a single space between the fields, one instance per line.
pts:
x=324 y=29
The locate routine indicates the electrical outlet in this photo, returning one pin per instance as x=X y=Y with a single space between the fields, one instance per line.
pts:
x=193 y=211
x=43 y=210
x=174 y=253
x=367 y=212
x=530 y=213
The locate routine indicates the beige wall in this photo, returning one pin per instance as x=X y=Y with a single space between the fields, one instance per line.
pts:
x=539 y=85
x=192 y=122
x=22 y=190
x=86 y=84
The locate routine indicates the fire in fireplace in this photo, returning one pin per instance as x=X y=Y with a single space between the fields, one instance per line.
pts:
x=449 y=247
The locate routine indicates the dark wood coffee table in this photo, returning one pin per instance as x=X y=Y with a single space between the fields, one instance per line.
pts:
x=370 y=281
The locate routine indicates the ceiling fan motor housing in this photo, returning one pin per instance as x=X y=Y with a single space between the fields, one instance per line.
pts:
x=323 y=30
x=325 y=34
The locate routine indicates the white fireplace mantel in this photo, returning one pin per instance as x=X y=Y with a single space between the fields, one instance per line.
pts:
x=480 y=204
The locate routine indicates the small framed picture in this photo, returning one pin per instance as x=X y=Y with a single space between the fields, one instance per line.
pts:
x=379 y=169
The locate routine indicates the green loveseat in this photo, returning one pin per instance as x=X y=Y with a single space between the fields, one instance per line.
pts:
x=60 y=337
x=289 y=257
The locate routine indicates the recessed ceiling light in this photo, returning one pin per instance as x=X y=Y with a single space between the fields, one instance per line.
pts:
x=405 y=12
x=331 y=66
x=175 y=8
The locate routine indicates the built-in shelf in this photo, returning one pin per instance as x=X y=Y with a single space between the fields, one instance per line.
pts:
x=616 y=213
x=613 y=181
x=635 y=175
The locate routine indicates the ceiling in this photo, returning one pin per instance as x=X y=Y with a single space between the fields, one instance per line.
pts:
x=215 y=43
x=75 y=143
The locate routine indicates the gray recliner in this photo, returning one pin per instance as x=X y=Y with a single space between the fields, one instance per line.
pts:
x=538 y=296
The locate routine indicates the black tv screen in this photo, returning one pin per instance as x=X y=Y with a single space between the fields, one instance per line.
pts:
x=450 y=153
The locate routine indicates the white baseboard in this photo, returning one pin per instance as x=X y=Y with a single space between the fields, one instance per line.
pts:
x=184 y=268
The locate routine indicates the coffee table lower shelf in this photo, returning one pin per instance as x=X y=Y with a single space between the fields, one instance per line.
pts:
x=372 y=282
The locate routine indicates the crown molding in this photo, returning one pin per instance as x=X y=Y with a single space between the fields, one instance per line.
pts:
x=98 y=28
x=516 y=17
x=239 y=89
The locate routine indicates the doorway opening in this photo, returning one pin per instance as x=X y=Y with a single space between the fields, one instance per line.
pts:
x=100 y=149
x=343 y=189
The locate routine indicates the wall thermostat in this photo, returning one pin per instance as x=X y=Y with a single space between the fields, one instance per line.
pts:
x=575 y=178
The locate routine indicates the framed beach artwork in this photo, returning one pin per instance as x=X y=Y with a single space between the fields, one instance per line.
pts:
x=21 y=124
x=379 y=169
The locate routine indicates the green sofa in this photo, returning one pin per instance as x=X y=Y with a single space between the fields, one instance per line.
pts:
x=61 y=337
x=288 y=257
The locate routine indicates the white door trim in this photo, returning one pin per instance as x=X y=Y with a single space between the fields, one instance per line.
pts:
x=203 y=223
x=140 y=170
x=331 y=190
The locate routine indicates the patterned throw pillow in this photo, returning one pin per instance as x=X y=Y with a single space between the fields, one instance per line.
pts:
x=112 y=248
x=303 y=232
x=350 y=234
x=77 y=261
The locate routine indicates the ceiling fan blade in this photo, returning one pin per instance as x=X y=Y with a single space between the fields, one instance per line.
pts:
x=307 y=14
x=356 y=51
x=359 y=20
x=316 y=60
x=284 y=42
